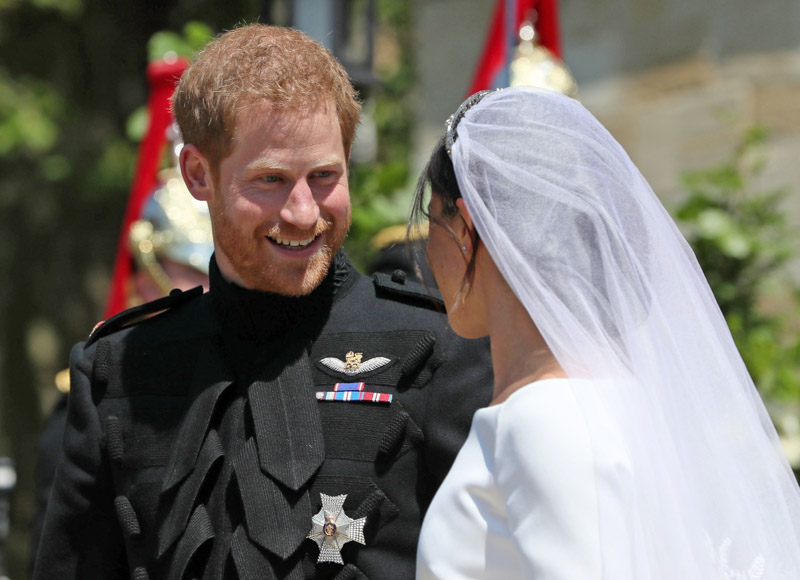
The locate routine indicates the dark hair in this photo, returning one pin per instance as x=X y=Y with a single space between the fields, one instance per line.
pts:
x=439 y=177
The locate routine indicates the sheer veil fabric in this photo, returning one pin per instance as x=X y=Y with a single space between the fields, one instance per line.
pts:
x=620 y=299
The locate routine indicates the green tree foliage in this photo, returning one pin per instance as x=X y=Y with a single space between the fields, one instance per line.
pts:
x=29 y=113
x=743 y=243
x=165 y=42
x=380 y=190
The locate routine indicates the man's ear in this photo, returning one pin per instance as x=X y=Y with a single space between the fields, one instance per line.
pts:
x=464 y=233
x=196 y=172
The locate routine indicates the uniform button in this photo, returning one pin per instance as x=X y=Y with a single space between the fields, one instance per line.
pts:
x=399 y=277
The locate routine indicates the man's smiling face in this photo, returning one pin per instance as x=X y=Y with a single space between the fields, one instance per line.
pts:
x=280 y=206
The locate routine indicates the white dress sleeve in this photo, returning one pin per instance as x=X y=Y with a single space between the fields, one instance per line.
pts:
x=563 y=489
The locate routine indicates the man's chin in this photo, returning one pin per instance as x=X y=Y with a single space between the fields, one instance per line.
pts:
x=300 y=281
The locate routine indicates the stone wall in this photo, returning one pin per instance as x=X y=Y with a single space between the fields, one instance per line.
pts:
x=690 y=114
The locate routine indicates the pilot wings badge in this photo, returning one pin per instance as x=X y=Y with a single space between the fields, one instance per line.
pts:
x=352 y=365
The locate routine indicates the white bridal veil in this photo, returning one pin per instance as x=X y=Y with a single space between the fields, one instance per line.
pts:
x=619 y=297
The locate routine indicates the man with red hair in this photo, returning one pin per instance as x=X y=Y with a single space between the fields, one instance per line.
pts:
x=294 y=421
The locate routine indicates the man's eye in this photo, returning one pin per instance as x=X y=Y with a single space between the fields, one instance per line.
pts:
x=270 y=178
x=323 y=173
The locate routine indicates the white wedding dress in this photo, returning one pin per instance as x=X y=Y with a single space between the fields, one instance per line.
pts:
x=530 y=493
x=655 y=459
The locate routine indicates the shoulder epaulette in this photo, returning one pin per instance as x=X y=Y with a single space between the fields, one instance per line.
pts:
x=396 y=286
x=138 y=313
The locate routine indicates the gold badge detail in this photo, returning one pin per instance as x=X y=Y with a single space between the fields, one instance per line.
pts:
x=352 y=361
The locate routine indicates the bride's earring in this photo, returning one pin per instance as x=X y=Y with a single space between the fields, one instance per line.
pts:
x=464 y=249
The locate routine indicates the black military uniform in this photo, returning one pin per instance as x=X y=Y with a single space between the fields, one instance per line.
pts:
x=48 y=449
x=200 y=441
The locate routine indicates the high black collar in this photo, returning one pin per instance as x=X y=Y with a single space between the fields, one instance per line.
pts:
x=264 y=316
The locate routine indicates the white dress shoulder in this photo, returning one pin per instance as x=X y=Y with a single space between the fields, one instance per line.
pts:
x=531 y=495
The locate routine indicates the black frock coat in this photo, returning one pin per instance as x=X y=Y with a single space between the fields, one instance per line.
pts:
x=197 y=445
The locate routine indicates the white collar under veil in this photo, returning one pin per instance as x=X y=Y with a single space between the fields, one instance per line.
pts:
x=618 y=295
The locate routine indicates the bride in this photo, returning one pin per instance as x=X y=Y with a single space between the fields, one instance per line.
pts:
x=625 y=439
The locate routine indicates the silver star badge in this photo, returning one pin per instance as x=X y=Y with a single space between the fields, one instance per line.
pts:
x=331 y=529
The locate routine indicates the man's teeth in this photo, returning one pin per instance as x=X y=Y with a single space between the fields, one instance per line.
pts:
x=293 y=243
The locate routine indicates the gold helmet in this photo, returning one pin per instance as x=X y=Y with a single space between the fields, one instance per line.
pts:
x=173 y=226
x=535 y=65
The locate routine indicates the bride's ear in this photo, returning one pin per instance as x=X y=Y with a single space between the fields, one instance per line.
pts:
x=466 y=233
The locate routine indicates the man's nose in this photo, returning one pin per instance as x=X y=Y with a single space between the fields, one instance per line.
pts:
x=301 y=209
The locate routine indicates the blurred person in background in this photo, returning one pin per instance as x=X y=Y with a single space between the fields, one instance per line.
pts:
x=400 y=256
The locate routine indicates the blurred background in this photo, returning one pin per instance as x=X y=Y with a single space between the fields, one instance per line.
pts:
x=705 y=96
